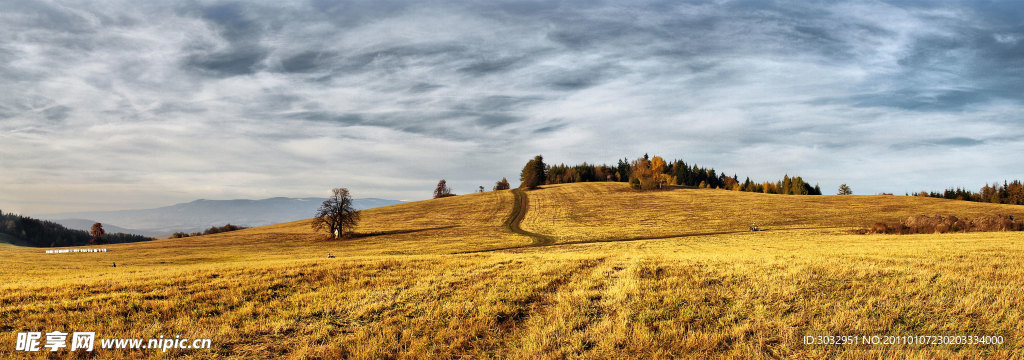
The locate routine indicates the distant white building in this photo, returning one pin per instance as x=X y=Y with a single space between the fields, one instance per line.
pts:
x=63 y=251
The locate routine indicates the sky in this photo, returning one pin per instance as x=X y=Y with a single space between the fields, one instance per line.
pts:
x=132 y=104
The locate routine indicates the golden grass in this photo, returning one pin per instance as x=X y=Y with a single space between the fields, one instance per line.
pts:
x=271 y=292
x=613 y=211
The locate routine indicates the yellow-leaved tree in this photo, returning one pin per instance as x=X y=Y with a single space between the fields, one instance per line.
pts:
x=650 y=174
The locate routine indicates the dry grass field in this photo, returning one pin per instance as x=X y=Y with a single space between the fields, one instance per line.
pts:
x=608 y=273
x=611 y=211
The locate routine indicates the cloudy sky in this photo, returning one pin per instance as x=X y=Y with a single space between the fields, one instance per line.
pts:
x=108 y=105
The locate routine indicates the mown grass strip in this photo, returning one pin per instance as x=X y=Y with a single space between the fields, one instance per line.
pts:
x=513 y=222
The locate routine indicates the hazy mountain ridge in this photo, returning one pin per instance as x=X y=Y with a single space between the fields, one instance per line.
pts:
x=201 y=214
x=86 y=225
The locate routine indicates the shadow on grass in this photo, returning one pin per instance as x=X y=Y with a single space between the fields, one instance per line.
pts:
x=641 y=238
x=359 y=235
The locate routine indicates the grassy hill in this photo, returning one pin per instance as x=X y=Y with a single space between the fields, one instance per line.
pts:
x=613 y=211
x=577 y=270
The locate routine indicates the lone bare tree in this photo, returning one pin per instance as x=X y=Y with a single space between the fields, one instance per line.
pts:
x=336 y=215
x=99 y=236
x=844 y=190
x=442 y=190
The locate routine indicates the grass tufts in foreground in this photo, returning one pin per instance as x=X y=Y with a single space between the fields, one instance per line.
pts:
x=271 y=292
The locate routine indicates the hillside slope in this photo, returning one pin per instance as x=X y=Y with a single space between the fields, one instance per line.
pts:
x=463 y=223
x=555 y=214
x=613 y=211
x=608 y=211
x=405 y=287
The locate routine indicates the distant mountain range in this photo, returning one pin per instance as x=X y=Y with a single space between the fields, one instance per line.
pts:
x=86 y=224
x=201 y=214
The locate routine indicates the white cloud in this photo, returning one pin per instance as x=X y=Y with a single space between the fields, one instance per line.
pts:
x=144 y=104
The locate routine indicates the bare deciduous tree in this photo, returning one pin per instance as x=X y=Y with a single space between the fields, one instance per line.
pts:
x=336 y=215
x=442 y=190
